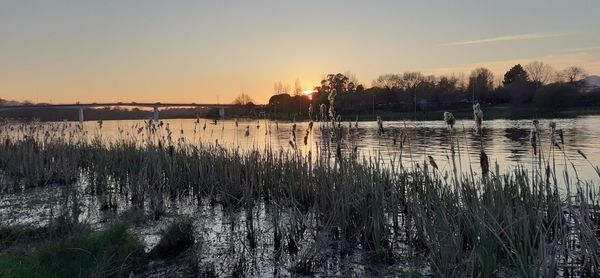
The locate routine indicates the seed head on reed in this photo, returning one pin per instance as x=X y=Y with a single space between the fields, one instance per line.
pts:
x=554 y=140
x=432 y=162
x=247 y=133
x=533 y=138
x=449 y=119
x=484 y=163
x=331 y=98
x=310 y=111
x=306 y=138
x=478 y=116
x=323 y=109
x=380 y=129
x=236 y=122
x=582 y=154
x=552 y=126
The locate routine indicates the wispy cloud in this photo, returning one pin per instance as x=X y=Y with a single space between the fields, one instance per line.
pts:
x=589 y=61
x=582 y=49
x=520 y=37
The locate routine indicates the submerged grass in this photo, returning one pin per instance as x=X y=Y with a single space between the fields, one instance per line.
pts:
x=489 y=224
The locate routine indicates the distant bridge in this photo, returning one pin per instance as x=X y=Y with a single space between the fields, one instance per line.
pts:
x=155 y=106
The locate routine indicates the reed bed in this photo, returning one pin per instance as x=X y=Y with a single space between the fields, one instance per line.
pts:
x=478 y=223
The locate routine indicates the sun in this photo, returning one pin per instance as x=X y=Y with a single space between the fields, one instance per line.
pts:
x=307 y=92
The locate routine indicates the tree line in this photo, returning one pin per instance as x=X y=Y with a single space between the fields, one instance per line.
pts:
x=536 y=84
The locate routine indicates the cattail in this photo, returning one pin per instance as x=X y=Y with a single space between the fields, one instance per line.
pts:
x=582 y=154
x=536 y=125
x=247 y=133
x=236 y=122
x=380 y=129
x=204 y=127
x=478 y=116
x=331 y=98
x=310 y=125
x=292 y=144
x=552 y=126
x=306 y=138
x=554 y=140
x=449 y=119
x=533 y=138
x=484 y=163
x=100 y=122
x=257 y=124
x=562 y=138
x=432 y=162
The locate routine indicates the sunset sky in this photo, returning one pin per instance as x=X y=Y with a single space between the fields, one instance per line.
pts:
x=201 y=51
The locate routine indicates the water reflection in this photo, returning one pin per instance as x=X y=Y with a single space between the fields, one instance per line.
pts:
x=505 y=141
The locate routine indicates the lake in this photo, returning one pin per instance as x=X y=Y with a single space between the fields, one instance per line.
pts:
x=506 y=142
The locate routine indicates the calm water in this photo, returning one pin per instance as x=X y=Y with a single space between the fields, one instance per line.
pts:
x=505 y=141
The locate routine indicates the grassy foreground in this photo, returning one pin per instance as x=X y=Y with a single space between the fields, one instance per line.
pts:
x=113 y=252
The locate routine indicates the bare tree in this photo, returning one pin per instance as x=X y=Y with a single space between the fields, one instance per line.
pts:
x=351 y=77
x=389 y=81
x=297 y=87
x=540 y=72
x=279 y=88
x=573 y=74
x=243 y=99
x=411 y=80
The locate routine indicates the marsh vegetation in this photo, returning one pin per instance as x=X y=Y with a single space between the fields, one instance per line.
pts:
x=274 y=211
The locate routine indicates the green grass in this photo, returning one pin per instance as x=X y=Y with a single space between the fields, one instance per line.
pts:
x=113 y=252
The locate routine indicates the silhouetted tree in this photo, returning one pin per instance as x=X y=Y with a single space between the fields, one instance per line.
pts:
x=556 y=95
x=243 y=99
x=515 y=74
x=447 y=84
x=573 y=74
x=539 y=72
x=481 y=82
x=297 y=87
x=389 y=81
x=338 y=81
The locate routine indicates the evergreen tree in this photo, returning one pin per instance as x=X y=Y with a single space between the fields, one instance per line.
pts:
x=515 y=74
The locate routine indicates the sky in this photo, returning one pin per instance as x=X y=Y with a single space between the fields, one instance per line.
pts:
x=211 y=51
